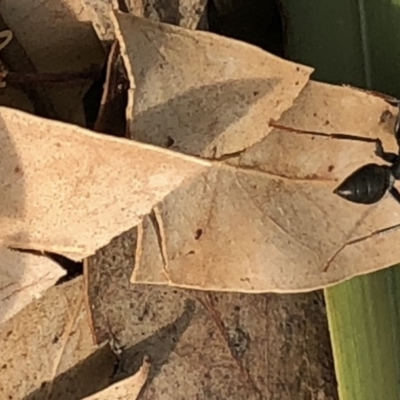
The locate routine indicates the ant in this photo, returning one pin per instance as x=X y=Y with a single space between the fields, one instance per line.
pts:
x=369 y=183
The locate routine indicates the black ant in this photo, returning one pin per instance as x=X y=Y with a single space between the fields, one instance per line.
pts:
x=369 y=183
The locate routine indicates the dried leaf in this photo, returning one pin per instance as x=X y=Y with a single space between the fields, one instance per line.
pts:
x=57 y=36
x=99 y=12
x=128 y=389
x=47 y=349
x=25 y=97
x=24 y=277
x=69 y=191
x=210 y=345
x=185 y=13
x=111 y=117
x=267 y=220
x=200 y=93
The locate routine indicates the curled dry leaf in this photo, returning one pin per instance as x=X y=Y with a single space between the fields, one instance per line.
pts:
x=266 y=219
x=200 y=93
x=23 y=278
x=128 y=389
x=47 y=350
x=111 y=117
x=70 y=191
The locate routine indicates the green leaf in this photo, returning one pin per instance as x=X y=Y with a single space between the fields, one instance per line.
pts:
x=364 y=326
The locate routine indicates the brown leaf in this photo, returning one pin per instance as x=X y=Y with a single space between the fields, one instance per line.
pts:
x=267 y=219
x=69 y=191
x=47 y=349
x=99 y=12
x=128 y=389
x=24 y=97
x=111 y=118
x=200 y=93
x=23 y=278
x=185 y=13
x=57 y=36
x=210 y=345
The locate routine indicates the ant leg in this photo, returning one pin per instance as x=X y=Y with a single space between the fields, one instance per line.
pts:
x=395 y=168
x=380 y=152
x=395 y=193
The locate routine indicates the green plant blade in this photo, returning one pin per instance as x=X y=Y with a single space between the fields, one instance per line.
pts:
x=364 y=327
x=357 y=43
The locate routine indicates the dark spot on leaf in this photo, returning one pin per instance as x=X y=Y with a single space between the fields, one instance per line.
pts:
x=55 y=339
x=311 y=177
x=190 y=252
x=198 y=234
x=238 y=341
x=385 y=116
x=170 y=141
x=315 y=114
x=331 y=168
x=256 y=93
x=327 y=122
x=297 y=83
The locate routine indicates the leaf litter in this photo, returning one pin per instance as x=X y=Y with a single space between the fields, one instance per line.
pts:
x=55 y=35
x=47 y=349
x=270 y=222
x=247 y=207
x=208 y=344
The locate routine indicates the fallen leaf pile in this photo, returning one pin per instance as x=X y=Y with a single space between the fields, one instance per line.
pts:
x=223 y=183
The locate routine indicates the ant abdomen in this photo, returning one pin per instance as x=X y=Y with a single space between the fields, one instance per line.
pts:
x=366 y=185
